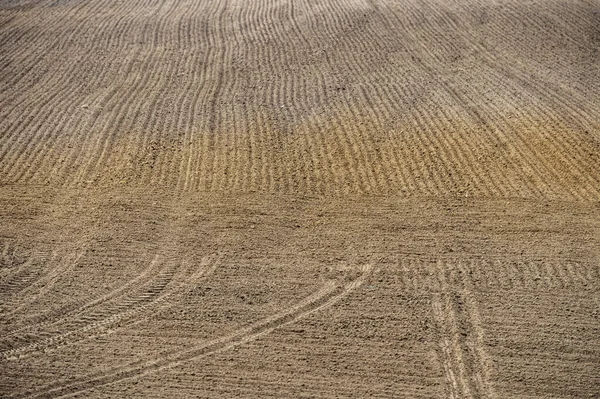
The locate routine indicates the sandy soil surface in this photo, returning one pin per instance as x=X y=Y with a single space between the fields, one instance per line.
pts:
x=293 y=199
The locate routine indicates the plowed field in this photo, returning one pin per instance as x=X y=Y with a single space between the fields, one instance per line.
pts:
x=293 y=199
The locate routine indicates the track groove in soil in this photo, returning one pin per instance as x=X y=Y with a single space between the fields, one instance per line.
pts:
x=176 y=175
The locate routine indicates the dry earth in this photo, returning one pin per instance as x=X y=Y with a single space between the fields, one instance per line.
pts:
x=289 y=199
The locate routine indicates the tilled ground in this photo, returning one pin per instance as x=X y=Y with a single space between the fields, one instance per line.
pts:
x=302 y=198
x=138 y=294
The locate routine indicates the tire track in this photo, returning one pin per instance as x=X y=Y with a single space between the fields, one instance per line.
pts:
x=24 y=275
x=98 y=315
x=329 y=294
x=52 y=319
x=93 y=317
x=12 y=263
x=461 y=343
x=118 y=306
x=43 y=285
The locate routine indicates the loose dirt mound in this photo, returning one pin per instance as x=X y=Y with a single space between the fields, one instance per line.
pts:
x=300 y=199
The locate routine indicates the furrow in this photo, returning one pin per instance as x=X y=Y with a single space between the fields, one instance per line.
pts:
x=327 y=296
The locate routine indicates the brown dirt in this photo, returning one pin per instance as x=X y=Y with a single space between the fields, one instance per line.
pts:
x=299 y=199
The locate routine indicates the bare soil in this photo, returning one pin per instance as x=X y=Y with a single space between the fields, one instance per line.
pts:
x=297 y=199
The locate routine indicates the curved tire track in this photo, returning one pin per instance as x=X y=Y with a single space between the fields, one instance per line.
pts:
x=43 y=285
x=150 y=291
x=329 y=294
